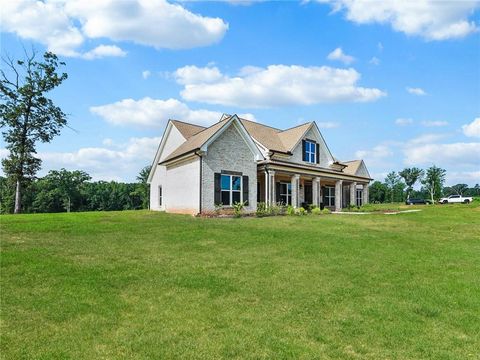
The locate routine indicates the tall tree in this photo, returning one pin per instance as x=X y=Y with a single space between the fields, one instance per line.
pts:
x=377 y=192
x=411 y=176
x=395 y=186
x=459 y=189
x=27 y=115
x=433 y=182
x=143 y=189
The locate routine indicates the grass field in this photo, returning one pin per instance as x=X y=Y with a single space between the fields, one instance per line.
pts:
x=144 y=285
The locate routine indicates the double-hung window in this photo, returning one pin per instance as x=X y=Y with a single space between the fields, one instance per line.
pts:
x=329 y=196
x=160 y=195
x=231 y=186
x=310 y=151
x=359 y=197
x=286 y=193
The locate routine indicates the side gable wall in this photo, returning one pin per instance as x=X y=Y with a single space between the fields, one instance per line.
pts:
x=362 y=170
x=174 y=140
x=228 y=152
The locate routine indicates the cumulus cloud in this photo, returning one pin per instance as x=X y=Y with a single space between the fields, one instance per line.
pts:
x=430 y=19
x=374 y=61
x=472 y=129
x=436 y=123
x=119 y=162
x=148 y=112
x=416 y=91
x=339 y=55
x=276 y=85
x=378 y=152
x=403 y=121
x=102 y=51
x=63 y=26
x=146 y=74
x=457 y=154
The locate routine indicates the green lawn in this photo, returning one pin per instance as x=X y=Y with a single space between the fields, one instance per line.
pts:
x=145 y=285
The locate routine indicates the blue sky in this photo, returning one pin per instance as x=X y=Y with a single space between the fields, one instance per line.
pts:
x=384 y=84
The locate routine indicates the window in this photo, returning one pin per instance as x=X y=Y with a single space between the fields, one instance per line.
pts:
x=359 y=197
x=231 y=186
x=310 y=151
x=160 y=195
x=329 y=195
x=286 y=193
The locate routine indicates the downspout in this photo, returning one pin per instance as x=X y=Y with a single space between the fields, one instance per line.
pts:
x=200 y=190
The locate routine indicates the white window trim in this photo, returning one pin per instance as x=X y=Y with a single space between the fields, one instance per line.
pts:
x=231 y=191
x=328 y=195
x=309 y=153
x=288 y=195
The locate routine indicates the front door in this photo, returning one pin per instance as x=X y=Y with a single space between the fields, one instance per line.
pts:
x=308 y=194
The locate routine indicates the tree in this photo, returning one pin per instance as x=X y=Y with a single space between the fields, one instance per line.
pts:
x=377 y=192
x=28 y=115
x=411 y=176
x=395 y=187
x=433 y=182
x=459 y=189
x=143 y=188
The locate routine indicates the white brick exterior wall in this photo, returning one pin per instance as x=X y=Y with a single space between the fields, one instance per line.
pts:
x=228 y=152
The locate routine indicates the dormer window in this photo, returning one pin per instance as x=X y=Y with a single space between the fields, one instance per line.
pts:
x=310 y=151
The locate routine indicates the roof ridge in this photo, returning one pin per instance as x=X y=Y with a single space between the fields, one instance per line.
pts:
x=256 y=122
x=187 y=123
x=307 y=123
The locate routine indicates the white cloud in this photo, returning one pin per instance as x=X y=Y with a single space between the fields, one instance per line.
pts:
x=328 y=124
x=434 y=123
x=119 y=162
x=194 y=75
x=456 y=154
x=102 y=51
x=463 y=177
x=146 y=74
x=378 y=152
x=148 y=112
x=279 y=85
x=472 y=129
x=403 y=121
x=416 y=91
x=430 y=19
x=374 y=61
x=425 y=139
x=63 y=26
x=339 y=55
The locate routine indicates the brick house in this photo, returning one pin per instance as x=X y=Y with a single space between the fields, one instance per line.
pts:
x=239 y=160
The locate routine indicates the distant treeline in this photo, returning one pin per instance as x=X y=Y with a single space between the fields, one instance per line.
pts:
x=63 y=191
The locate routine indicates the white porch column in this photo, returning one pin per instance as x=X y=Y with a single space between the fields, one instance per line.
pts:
x=266 y=188
x=353 y=193
x=338 y=195
x=272 y=187
x=316 y=191
x=295 y=190
x=365 y=194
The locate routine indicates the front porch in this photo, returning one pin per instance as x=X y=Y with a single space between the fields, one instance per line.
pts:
x=290 y=187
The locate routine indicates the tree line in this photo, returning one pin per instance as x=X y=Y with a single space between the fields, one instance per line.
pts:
x=397 y=187
x=65 y=191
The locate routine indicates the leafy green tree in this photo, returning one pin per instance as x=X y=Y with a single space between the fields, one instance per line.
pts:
x=378 y=192
x=27 y=115
x=433 y=182
x=142 y=189
x=395 y=187
x=460 y=189
x=411 y=176
x=7 y=195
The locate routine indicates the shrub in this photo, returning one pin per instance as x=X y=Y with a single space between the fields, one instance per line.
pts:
x=290 y=210
x=274 y=209
x=301 y=211
x=326 y=211
x=316 y=211
x=261 y=209
x=238 y=208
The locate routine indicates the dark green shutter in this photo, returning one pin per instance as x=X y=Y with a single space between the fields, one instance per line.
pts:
x=317 y=152
x=304 y=152
x=245 y=189
x=218 y=189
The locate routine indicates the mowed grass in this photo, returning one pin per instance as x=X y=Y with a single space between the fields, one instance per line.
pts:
x=145 y=285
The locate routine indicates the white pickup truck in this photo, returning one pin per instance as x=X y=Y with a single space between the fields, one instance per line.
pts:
x=453 y=199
